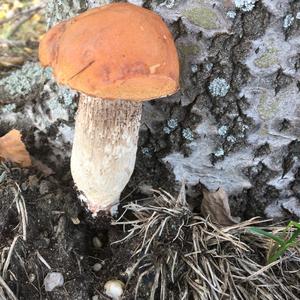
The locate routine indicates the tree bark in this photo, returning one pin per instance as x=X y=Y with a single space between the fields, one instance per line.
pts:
x=235 y=122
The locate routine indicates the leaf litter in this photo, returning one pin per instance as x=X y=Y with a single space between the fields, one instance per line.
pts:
x=13 y=149
x=189 y=256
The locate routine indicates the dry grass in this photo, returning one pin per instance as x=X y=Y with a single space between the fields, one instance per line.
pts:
x=185 y=256
x=7 y=252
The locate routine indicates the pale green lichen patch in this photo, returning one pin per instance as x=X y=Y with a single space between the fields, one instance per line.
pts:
x=188 y=134
x=223 y=130
x=187 y=50
x=267 y=59
x=267 y=106
x=288 y=21
x=219 y=152
x=274 y=53
x=203 y=17
x=67 y=95
x=245 y=5
x=23 y=81
x=219 y=87
x=167 y=3
x=8 y=108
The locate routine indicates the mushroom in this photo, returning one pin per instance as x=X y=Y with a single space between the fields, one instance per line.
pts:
x=116 y=56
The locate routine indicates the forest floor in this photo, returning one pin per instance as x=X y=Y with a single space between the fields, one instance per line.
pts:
x=158 y=246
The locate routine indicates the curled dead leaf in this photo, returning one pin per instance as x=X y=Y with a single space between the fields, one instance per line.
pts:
x=13 y=149
x=216 y=206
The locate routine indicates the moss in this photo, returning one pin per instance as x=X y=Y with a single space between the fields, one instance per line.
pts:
x=203 y=17
x=267 y=59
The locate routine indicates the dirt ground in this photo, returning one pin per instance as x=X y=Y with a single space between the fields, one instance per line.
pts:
x=62 y=236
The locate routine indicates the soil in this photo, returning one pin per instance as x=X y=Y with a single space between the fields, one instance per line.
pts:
x=53 y=234
x=62 y=236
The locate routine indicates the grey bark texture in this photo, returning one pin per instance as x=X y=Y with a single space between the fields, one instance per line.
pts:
x=235 y=123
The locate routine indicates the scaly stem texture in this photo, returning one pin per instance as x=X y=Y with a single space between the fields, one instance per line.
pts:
x=104 y=149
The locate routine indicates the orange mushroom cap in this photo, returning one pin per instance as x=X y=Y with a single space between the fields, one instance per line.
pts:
x=117 y=51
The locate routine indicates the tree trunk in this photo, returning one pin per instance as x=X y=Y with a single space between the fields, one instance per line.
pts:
x=234 y=124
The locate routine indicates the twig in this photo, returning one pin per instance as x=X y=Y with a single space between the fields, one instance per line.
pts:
x=24 y=12
x=12 y=43
x=2 y=296
x=21 y=207
x=7 y=262
x=17 y=25
x=9 y=292
x=42 y=259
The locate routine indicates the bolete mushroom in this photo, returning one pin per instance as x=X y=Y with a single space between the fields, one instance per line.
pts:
x=116 y=56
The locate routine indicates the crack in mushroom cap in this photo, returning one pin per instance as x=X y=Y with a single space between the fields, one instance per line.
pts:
x=118 y=51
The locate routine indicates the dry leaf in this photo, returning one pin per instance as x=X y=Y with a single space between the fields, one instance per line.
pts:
x=13 y=149
x=216 y=206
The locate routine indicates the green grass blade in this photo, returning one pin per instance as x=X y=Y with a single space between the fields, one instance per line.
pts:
x=260 y=231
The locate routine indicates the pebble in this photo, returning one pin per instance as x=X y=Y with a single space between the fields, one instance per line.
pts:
x=114 y=289
x=97 y=267
x=97 y=243
x=53 y=280
x=75 y=221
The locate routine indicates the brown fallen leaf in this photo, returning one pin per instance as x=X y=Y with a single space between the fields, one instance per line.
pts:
x=216 y=206
x=13 y=149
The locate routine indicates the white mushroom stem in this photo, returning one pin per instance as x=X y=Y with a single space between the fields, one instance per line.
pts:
x=104 y=149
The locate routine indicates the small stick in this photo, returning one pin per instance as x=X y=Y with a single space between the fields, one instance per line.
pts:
x=24 y=12
x=9 y=292
x=42 y=259
x=7 y=262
